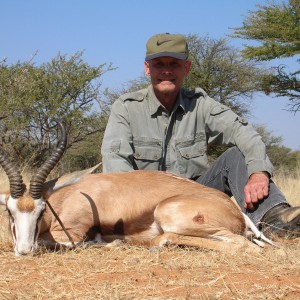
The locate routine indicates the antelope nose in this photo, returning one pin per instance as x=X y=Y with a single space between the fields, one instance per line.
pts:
x=24 y=251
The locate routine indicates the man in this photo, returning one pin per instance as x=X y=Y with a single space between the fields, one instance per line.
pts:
x=165 y=127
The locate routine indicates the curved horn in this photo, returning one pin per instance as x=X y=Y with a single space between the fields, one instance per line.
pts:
x=17 y=187
x=37 y=181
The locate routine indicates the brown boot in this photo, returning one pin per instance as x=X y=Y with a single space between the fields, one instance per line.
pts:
x=282 y=221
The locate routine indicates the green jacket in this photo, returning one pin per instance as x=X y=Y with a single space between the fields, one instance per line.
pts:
x=141 y=134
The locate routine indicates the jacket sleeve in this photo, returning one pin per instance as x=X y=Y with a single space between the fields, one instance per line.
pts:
x=116 y=150
x=225 y=127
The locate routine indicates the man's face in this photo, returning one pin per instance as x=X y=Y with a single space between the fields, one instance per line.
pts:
x=167 y=73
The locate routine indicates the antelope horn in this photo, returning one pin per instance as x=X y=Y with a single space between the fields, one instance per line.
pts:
x=37 y=180
x=17 y=187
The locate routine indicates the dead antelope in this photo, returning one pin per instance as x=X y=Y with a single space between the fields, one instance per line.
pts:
x=142 y=207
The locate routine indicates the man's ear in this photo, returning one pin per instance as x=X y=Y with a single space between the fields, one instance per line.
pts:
x=187 y=67
x=146 y=68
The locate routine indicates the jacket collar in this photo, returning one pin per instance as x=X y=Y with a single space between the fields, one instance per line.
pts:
x=155 y=105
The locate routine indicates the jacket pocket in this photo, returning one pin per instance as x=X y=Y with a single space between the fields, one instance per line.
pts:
x=147 y=154
x=192 y=151
x=192 y=159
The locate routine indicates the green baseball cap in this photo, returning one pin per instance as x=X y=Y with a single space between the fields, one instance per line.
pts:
x=166 y=44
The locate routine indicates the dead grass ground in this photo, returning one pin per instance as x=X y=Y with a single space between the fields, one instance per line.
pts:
x=136 y=273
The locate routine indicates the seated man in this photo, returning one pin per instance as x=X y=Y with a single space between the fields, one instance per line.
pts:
x=165 y=127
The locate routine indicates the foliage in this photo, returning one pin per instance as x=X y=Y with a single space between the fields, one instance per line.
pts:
x=284 y=84
x=221 y=71
x=31 y=97
x=281 y=157
x=84 y=154
x=276 y=29
x=268 y=138
x=139 y=83
x=284 y=158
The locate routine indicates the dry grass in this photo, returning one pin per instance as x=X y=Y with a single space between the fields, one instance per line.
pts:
x=289 y=185
x=137 y=273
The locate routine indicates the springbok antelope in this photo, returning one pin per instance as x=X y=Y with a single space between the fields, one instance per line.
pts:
x=150 y=208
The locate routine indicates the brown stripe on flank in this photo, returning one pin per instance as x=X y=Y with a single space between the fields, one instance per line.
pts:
x=26 y=204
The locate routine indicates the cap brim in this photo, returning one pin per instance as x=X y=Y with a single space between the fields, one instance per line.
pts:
x=170 y=54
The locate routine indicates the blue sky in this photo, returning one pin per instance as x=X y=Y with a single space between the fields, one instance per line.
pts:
x=116 y=32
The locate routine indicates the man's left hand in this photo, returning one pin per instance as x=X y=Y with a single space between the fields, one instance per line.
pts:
x=256 y=189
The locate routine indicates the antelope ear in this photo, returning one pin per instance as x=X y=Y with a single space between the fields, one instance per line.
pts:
x=3 y=198
x=65 y=180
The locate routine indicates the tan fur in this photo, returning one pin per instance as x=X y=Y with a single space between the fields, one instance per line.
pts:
x=26 y=204
x=143 y=207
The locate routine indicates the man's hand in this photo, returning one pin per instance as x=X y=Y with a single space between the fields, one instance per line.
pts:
x=256 y=189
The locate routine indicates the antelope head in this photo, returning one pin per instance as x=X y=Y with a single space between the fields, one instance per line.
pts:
x=26 y=208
